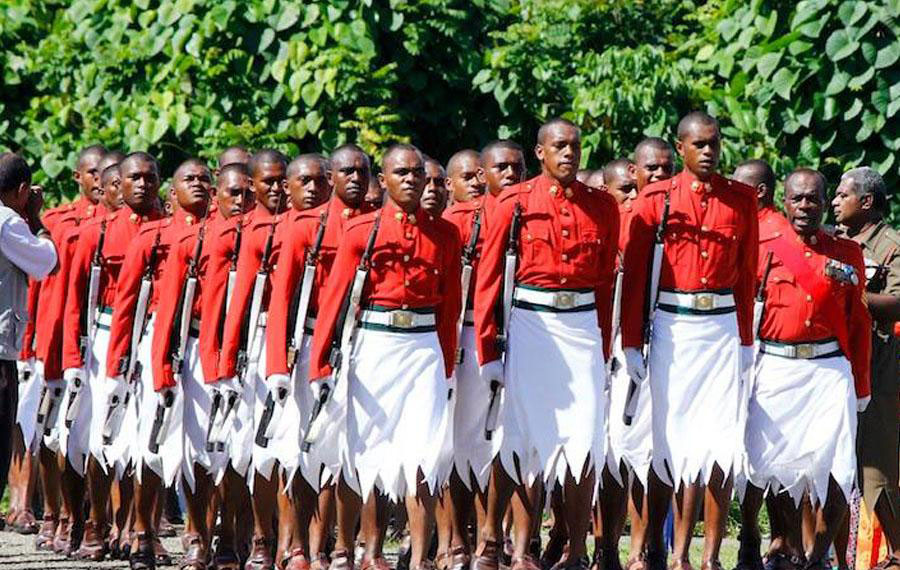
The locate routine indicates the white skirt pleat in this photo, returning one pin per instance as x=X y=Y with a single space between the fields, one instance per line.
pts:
x=29 y=402
x=629 y=445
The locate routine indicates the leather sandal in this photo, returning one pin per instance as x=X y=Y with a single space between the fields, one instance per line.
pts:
x=194 y=553
x=489 y=558
x=377 y=563
x=225 y=558
x=63 y=536
x=341 y=560
x=163 y=558
x=260 y=555
x=458 y=558
x=295 y=560
x=143 y=555
x=319 y=561
x=526 y=562
x=44 y=538
x=24 y=522
x=92 y=546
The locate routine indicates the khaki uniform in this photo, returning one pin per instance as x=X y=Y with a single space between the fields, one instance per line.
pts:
x=878 y=435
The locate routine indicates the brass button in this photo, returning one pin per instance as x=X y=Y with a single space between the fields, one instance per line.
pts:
x=411 y=219
x=569 y=193
x=777 y=234
x=704 y=229
x=398 y=216
x=702 y=203
x=695 y=185
x=405 y=258
x=565 y=233
x=133 y=217
x=704 y=254
x=554 y=190
x=563 y=280
x=189 y=219
x=808 y=323
x=807 y=253
x=406 y=282
x=703 y=280
x=528 y=237
x=809 y=298
x=408 y=235
x=404 y=306
x=346 y=213
x=565 y=257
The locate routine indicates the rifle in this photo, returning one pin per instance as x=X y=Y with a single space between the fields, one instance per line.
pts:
x=468 y=257
x=509 y=283
x=87 y=320
x=342 y=343
x=48 y=410
x=269 y=416
x=652 y=296
x=133 y=368
x=759 y=303
x=616 y=320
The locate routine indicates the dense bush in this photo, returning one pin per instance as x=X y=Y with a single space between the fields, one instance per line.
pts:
x=815 y=82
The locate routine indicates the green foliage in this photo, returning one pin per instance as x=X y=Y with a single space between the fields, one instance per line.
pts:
x=815 y=82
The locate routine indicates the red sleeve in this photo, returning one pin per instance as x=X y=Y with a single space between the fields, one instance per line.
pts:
x=285 y=283
x=76 y=291
x=34 y=289
x=489 y=281
x=348 y=254
x=745 y=288
x=212 y=304
x=53 y=294
x=451 y=302
x=638 y=252
x=171 y=284
x=603 y=291
x=128 y=287
x=248 y=264
x=860 y=329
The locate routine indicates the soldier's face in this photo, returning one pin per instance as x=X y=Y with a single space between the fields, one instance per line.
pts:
x=404 y=178
x=140 y=184
x=375 y=194
x=700 y=148
x=87 y=176
x=804 y=203
x=503 y=167
x=434 y=195
x=560 y=152
x=847 y=204
x=652 y=165
x=350 y=176
x=622 y=185
x=233 y=195
x=308 y=185
x=112 y=192
x=465 y=184
x=268 y=185
x=193 y=185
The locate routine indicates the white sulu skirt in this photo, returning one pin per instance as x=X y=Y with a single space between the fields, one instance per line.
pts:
x=29 y=402
x=198 y=396
x=694 y=379
x=554 y=413
x=166 y=464
x=243 y=427
x=76 y=441
x=629 y=445
x=801 y=426
x=393 y=415
x=472 y=453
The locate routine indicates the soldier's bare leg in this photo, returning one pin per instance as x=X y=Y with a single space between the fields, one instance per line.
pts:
x=525 y=504
x=639 y=515
x=750 y=539
x=197 y=533
x=686 y=508
x=659 y=499
x=263 y=500
x=577 y=506
x=72 y=486
x=349 y=505
x=500 y=489
x=841 y=542
x=321 y=524
x=231 y=492
x=373 y=525
x=777 y=524
x=22 y=478
x=420 y=508
x=120 y=497
x=304 y=504
x=146 y=497
x=559 y=534
x=443 y=515
x=715 y=515
x=828 y=518
x=464 y=502
x=789 y=515
x=92 y=545
x=612 y=512
x=808 y=521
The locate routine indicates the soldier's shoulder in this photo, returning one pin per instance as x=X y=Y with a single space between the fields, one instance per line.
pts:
x=445 y=226
x=845 y=248
x=516 y=192
x=462 y=208
x=891 y=236
x=738 y=188
x=658 y=188
x=602 y=197
x=362 y=221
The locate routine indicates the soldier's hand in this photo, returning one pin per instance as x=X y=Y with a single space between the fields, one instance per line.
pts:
x=114 y=390
x=634 y=365
x=74 y=377
x=317 y=386
x=279 y=386
x=862 y=404
x=493 y=372
x=26 y=369
x=229 y=385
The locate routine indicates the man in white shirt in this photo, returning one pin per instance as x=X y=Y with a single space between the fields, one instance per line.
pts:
x=25 y=251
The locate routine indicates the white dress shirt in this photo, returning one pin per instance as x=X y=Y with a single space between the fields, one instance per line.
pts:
x=34 y=255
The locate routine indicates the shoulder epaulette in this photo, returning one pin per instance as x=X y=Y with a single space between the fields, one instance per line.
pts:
x=513 y=192
x=748 y=191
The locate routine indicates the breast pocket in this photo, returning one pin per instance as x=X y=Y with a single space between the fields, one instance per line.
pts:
x=725 y=236
x=538 y=246
x=587 y=252
x=780 y=288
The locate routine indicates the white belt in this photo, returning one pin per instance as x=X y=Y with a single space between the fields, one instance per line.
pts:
x=469 y=319
x=560 y=300
x=701 y=301
x=804 y=351
x=398 y=319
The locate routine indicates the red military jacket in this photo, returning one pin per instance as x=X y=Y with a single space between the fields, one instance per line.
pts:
x=61 y=222
x=835 y=309
x=287 y=276
x=568 y=239
x=184 y=251
x=462 y=215
x=158 y=236
x=220 y=252
x=249 y=262
x=415 y=264
x=710 y=244
x=121 y=228
x=27 y=352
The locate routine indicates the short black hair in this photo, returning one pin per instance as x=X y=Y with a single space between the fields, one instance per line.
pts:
x=820 y=178
x=764 y=171
x=398 y=147
x=542 y=132
x=13 y=172
x=238 y=167
x=309 y=156
x=695 y=118
x=609 y=171
x=654 y=143
x=109 y=171
x=501 y=143
x=266 y=156
x=235 y=148
x=88 y=150
x=142 y=156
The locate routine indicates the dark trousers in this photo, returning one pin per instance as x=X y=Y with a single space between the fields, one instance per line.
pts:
x=9 y=398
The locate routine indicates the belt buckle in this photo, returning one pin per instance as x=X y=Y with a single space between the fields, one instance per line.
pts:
x=703 y=301
x=805 y=351
x=402 y=319
x=563 y=300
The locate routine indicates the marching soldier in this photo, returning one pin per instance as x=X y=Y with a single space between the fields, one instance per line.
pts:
x=95 y=265
x=397 y=343
x=812 y=372
x=475 y=182
x=235 y=200
x=435 y=194
x=759 y=175
x=156 y=454
x=242 y=361
x=559 y=241
x=315 y=236
x=700 y=230
x=58 y=480
x=860 y=204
